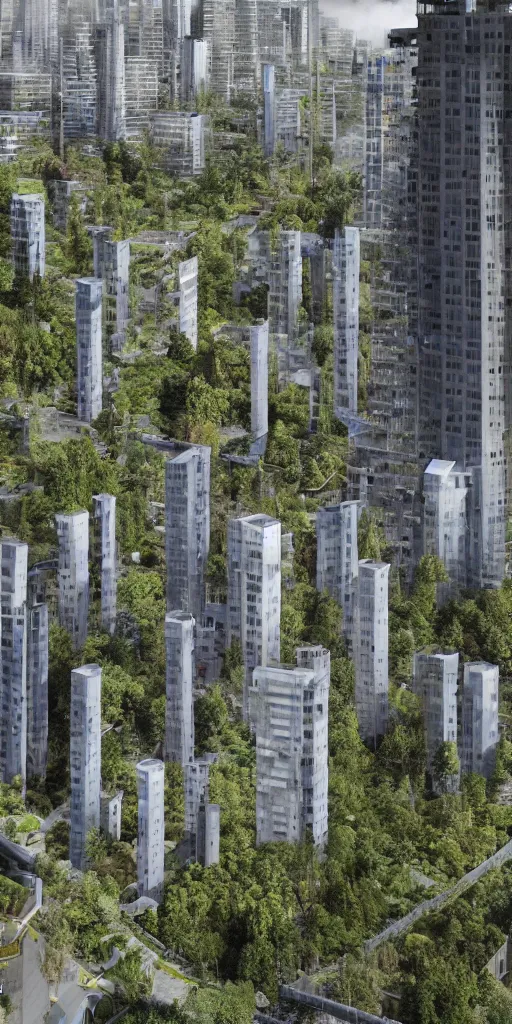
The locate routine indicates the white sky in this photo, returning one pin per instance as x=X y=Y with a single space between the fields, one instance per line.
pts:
x=372 y=19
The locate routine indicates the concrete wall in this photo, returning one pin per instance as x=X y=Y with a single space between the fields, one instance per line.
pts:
x=28 y=235
x=179 y=703
x=85 y=759
x=89 y=382
x=73 y=574
x=13 y=722
x=337 y=561
x=37 y=691
x=187 y=528
x=104 y=514
x=435 y=683
x=371 y=652
x=150 y=844
x=346 y=267
x=480 y=735
x=254 y=591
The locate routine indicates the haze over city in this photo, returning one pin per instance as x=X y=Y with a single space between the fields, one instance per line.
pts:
x=372 y=19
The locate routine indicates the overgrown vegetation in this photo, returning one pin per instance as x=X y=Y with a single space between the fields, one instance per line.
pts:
x=262 y=914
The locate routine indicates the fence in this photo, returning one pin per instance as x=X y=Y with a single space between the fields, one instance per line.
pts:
x=496 y=861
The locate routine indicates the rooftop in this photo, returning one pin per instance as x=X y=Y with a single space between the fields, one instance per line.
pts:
x=149 y=763
x=439 y=467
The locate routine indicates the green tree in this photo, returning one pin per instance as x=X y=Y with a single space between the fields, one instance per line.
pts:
x=446 y=766
x=78 y=245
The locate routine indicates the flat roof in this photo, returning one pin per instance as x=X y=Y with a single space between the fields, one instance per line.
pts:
x=440 y=467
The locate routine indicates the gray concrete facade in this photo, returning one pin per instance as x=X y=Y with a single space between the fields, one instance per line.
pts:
x=195 y=68
x=445 y=518
x=208 y=835
x=111 y=808
x=337 y=560
x=254 y=591
x=187 y=289
x=464 y=239
x=435 y=683
x=187 y=528
x=259 y=379
x=151 y=828
x=84 y=759
x=73 y=574
x=315 y=745
x=211 y=643
x=114 y=269
x=89 y=382
x=289 y=716
x=37 y=691
x=346 y=268
x=28 y=235
x=111 y=98
x=480 y=735
x=269 y=109
x=371 y=650
x=196 y=788
x=13 y=724
x=179 y=700
x=104 y=517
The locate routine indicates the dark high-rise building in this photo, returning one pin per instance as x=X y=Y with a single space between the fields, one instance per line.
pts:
x=464 y=240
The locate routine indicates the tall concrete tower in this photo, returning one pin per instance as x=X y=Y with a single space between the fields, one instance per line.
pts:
x=73 y=574
x=337 y=561
x=111 y=105
x=89 y=378
x=179 y=698
x=254 y=591
x=85 y=759
x=104 y=515
x=150 y=844
x=371 y=651
x=464 y=172
x=37 y=691
x=187 y=528
x=346 y=265
x=13 y=659
x=28 y=234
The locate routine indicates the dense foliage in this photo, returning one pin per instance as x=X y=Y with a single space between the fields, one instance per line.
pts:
x=262 y=914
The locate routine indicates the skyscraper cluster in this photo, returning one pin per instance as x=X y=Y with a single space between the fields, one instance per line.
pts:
x=428 y=415
x=102 y=69
x=429 y=450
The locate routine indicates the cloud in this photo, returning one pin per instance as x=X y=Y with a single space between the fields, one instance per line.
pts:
x=371 y=19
